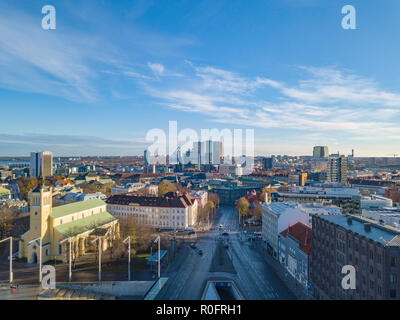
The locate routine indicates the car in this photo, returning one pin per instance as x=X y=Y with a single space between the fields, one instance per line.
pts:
x=200 y=252
x=14 y=256
x=193 y=245
x=225 y=234
x=226 y=246
x=191 y=232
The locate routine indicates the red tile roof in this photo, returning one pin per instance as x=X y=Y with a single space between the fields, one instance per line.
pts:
x=65 y=182
x=302 y=233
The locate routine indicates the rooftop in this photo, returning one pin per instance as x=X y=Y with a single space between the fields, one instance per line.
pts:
x=86 y=224
x=71 y=208
x=168 y=200
x=378 y=233
x=302 y=233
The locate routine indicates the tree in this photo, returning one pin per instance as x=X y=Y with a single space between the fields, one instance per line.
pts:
x=166 y=186
x=25 y=184
x=256 y=212
x=71 y=233
x=261 y=196
x=7 y=217
x=214 y=198
x=242 y=206
x=204 y=213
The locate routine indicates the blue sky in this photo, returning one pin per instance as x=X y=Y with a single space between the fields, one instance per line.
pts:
x=112 y=71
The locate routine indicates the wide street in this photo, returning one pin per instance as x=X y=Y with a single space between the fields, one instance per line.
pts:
x=190 y=271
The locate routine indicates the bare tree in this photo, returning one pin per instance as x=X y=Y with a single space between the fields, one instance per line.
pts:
x=7 y=218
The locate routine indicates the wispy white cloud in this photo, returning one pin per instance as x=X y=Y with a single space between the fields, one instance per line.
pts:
x=327 y=101
x=157 y=68
x=75 y=63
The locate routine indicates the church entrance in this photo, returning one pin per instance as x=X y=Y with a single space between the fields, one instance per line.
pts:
x=34 y=258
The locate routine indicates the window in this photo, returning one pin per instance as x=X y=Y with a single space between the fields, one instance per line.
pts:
x=393 y=293
x=393 y=261
x=393 y=278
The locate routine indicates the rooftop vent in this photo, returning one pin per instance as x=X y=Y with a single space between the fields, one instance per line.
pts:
x=367 y=227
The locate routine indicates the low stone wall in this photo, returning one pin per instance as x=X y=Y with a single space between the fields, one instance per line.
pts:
x=117 y=288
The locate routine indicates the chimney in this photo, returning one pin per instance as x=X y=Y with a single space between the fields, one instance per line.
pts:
x=367 y=227
x=349 y=220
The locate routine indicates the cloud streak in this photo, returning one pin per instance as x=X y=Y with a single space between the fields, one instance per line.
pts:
x=328 y=100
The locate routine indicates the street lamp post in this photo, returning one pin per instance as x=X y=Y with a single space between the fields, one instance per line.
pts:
x=99 y=239
x=158 y=239
x=70 y=257
x=40 y=256
x=129 y=256
x=11 y=257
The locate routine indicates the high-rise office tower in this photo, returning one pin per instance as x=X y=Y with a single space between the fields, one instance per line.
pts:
x=267 y=163
x=41 y=164
x=337 y=169
x=320 y=152
x=207 y=152
x=146 y=161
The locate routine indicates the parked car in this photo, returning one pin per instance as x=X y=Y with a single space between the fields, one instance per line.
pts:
x=193 y=245
x=226 y=246
x=201 y=252
x=14 y=256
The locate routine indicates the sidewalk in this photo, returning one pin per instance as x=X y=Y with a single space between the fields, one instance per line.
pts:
x=292 y=284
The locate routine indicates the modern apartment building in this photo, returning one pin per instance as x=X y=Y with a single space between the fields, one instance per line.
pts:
x=41 y=164
x=320 y=152
x=372 y=248
x=172 y=211
x=337 y=169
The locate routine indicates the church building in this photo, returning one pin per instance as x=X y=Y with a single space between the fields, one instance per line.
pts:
x=80 y=222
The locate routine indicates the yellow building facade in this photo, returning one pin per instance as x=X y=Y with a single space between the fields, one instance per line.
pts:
x=79 y=222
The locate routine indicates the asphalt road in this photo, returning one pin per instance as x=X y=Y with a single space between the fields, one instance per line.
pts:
x=189 y=273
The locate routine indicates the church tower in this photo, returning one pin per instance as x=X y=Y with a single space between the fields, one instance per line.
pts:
x=40 y=203
x=40 y=199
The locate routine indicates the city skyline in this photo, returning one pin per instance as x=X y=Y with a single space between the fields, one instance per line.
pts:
x=110 y=73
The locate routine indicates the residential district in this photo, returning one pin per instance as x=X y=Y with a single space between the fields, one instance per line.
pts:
x=318 y=227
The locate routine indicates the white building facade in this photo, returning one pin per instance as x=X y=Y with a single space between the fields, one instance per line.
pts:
x=276 y=217
x=167 y=212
